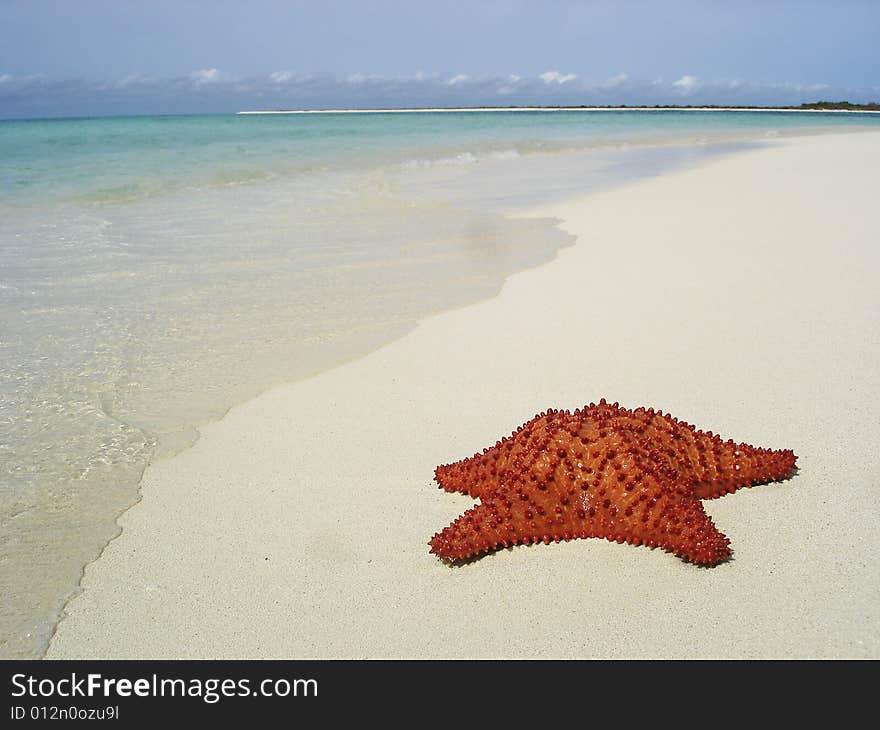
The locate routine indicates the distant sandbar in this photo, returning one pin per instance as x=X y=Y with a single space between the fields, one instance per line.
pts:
x=561 y=109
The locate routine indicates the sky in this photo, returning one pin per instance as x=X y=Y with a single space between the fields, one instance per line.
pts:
x=97 y=57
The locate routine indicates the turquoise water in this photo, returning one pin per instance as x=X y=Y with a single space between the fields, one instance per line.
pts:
x=127 y=157
x=155 y=271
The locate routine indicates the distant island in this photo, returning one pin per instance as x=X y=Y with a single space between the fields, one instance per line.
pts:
x=816 y=106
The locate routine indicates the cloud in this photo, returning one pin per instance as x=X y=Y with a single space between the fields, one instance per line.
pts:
x=551 y=77
x=686 y=84
x=27 y=80
x=361 y=78
x=280 y=77
x=614 y=81
x=211 y=90
x=134 y=80
x=210 y=76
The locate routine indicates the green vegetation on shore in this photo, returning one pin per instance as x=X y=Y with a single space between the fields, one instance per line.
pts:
x=819 y=105
x=869 y=107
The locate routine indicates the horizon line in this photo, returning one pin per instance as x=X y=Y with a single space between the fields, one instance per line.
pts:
x=668 y=107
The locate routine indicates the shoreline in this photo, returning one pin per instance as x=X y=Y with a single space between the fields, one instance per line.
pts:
x=433 y=110
x=137 y=554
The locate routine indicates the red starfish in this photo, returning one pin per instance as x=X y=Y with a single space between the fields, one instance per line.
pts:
x=604 y=471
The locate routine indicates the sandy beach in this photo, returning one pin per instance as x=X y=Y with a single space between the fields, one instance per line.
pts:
x=740 y=296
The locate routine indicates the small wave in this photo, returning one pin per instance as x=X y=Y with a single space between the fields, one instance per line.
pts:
x=125 y=193
x=505 y=155
x=242 y=177
x=463 y=158
x=134 y=191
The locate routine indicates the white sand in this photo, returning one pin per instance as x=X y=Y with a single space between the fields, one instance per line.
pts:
x=741 y=296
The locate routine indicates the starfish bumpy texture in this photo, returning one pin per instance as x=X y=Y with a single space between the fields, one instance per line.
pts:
x=602 y=471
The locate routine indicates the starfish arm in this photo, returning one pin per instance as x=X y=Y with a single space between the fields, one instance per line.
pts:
x=480 y=474
x=479 y=530
x=691 y=534
x=717 y=467
x=724 y=466
x=474 y=476
x=678 y=526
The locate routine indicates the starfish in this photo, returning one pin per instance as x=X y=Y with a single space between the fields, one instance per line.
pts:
x=634 y=476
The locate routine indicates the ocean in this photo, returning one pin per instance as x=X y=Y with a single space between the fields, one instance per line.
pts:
x=155 y=271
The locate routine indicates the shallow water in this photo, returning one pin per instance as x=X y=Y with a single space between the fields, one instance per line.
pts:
x=156 y=271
